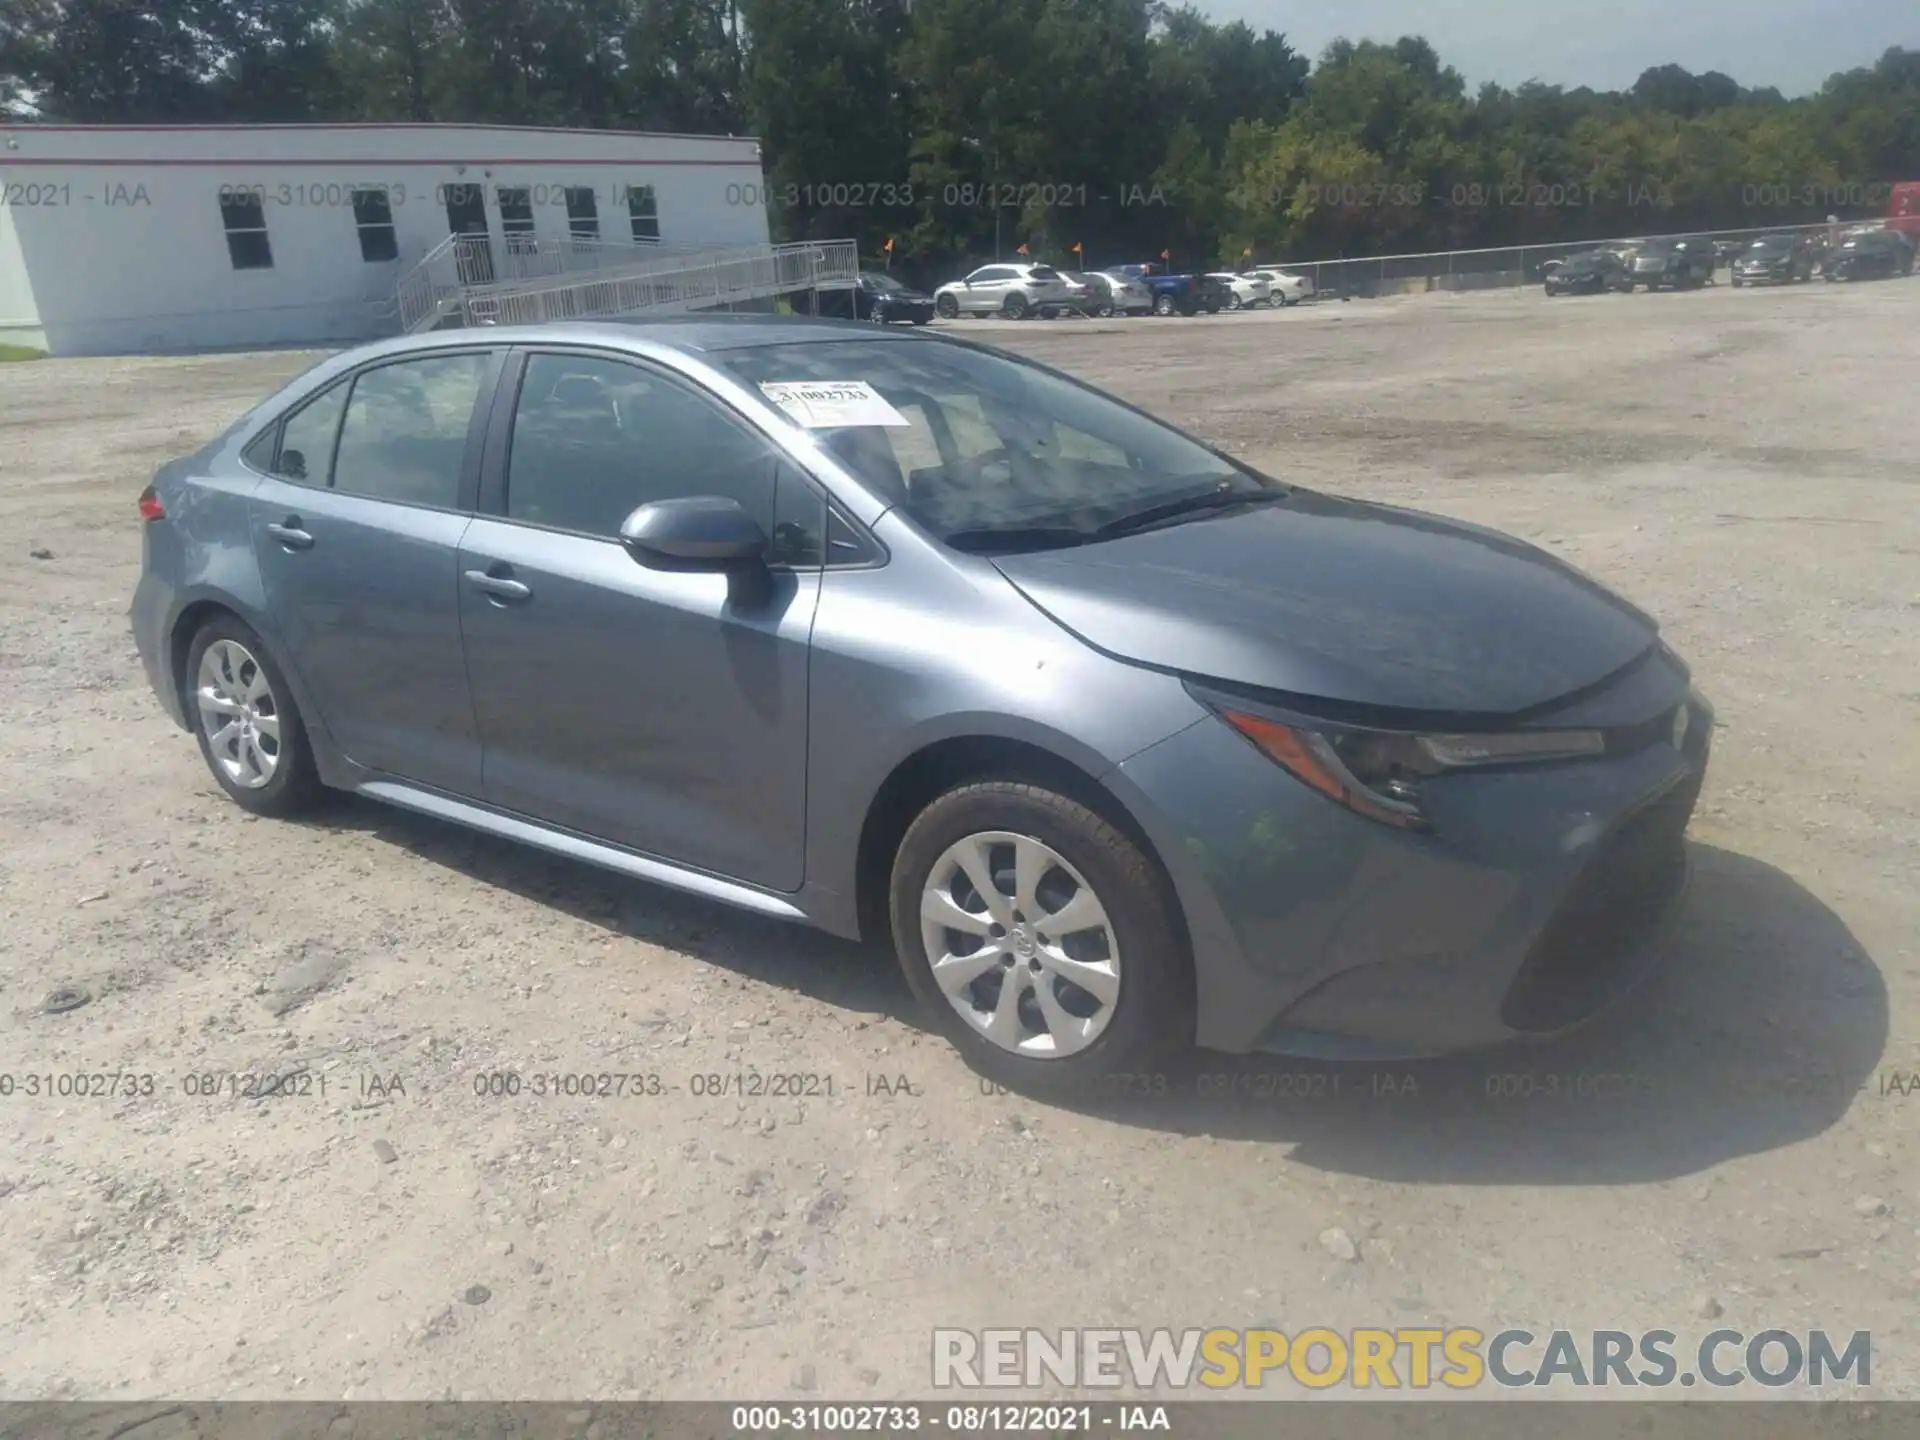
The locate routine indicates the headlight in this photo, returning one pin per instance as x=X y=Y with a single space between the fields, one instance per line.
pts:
x=1377 y=773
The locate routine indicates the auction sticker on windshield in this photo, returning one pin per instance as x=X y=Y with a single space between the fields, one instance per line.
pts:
x=828 y=404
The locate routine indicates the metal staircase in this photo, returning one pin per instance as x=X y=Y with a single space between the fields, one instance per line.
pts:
x=470 y=280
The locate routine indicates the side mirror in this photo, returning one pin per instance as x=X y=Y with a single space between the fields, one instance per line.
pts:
x=694 y=532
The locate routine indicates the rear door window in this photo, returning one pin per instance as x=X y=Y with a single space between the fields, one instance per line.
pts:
x=307 y=438
x=404 y=436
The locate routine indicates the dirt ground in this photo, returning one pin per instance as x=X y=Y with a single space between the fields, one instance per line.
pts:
x=1741 y=464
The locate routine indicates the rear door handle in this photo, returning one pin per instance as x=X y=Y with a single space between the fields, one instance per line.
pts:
x=498 y=587
x=289 y=534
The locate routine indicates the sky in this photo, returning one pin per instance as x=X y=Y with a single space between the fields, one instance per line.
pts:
x=1791 y=44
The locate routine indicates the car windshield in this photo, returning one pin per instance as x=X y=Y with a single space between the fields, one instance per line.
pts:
x=885 y=283
x=1583 y=263
x=990 y=453
x=1774 y=242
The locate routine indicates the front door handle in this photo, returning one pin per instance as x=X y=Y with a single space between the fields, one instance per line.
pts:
x=498 y=587
x=289 y=534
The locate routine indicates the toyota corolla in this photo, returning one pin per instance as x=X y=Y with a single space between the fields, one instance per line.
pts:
x=1119 y=743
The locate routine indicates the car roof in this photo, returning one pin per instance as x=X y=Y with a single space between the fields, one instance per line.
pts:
x=693 y=333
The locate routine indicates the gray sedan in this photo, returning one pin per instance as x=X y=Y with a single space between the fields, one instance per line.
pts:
x=1121 y=744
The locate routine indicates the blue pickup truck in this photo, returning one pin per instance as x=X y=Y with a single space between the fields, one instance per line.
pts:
x=1175 y=294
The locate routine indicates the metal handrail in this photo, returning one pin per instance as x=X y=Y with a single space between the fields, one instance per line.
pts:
x=684 y=278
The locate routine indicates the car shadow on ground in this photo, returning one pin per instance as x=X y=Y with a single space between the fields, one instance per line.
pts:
x=854 y=977
x=1767 y=1021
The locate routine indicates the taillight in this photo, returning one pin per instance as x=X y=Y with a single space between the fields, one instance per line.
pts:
x=150 y=506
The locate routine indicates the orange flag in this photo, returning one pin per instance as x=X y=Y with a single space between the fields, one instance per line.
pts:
x=1166 y=255
x=1076 y=248
x=1019 y=249
x=888 y=247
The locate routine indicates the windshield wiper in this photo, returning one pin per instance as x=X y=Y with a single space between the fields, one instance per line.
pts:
x=996 y=538
x=1211 y=500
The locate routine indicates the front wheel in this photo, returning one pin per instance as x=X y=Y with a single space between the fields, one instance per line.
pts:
x=947 y=307
x=1039 y=936
x=1234 y=302
x=244 y=717
x=1163 y=305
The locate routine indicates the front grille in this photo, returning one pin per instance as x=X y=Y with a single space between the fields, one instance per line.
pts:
x=1579 y=961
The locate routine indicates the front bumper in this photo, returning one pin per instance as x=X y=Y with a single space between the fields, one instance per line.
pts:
x=1539 y=899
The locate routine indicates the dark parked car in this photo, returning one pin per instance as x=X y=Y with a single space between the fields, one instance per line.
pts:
x=1123 y=744
x=1776 y=260
x=1591 y=273
x=1672 y=264
x=1875 y=255
x=878 y=297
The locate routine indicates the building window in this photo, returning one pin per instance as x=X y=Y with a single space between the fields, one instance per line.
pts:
x=516 y=216
x=373 y=214
x=245 y=219
x=583 y=215
x=643 y=213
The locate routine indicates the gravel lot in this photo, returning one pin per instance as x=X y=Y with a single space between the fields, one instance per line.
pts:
x=1737 y=1144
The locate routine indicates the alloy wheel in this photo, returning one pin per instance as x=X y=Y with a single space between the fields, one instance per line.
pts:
x=239 y=714
x=1020 y=944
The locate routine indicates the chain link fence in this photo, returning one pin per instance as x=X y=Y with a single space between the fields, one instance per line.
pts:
x=1489 y=269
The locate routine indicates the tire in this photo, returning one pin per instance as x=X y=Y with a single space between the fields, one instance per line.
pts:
x=1015 y=307
x=921 y=319
x=1212 y=307
x=1163 y=305
x=229 y=663
x=1234 y=302
x=1137 y=939
x=947 y=307
x=1104 y=312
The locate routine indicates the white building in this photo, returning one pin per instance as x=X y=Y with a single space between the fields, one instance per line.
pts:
x=118 y=238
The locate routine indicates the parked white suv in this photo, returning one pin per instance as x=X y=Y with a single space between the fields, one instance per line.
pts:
x=1283 y=286
x=1015 y=291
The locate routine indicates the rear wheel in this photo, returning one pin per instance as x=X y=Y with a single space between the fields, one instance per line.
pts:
x=1163 y=305
x=1015 y=306
x=1039 y=936
x=246 y=722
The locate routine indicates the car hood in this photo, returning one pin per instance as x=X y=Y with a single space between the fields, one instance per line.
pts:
x=1343 y=601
